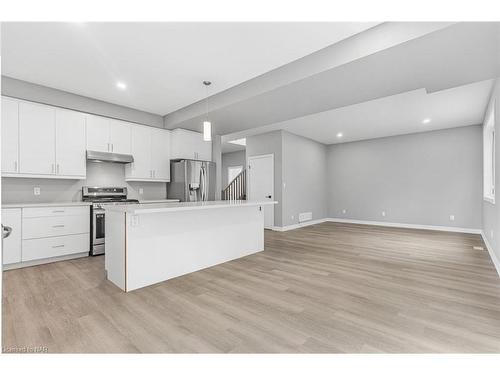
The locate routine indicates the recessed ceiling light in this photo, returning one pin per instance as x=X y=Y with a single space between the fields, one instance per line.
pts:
x=340 y=135
x=121 y=85
x=426 y=120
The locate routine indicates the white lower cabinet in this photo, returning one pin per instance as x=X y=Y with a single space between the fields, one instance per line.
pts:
x=11 y=249
x=45 y=233
x=41 y=248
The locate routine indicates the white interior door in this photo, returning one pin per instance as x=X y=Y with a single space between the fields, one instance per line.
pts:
x=261 y=184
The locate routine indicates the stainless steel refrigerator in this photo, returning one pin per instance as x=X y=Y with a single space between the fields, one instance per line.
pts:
x=192 y=180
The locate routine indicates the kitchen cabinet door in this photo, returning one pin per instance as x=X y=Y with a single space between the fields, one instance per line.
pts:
x=10 y=135
x=98 y=133
x=120 y=136
x=70 y=143
x=36 y=139
x=140 y=169
x=183 y=144
x=160 y=154
x=204 y=149
x=11 y=249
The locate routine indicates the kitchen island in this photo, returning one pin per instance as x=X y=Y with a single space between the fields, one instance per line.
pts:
x=150 y=243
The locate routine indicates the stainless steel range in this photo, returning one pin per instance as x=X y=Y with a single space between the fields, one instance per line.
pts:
x=100 y=197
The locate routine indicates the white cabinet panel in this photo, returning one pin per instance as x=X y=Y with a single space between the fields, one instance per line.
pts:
x=36 y=138
x=10 y=135
x=38 y=227
x=204 y=150
x=41 y=248
x=141 y=150
x=160 y=154
x=98 y=133
x=120 y=137
x=70 y=143
x=186 y=144
x=11 y=250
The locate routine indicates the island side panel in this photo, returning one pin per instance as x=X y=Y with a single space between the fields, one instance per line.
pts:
x=115 y=260
x=164 y=245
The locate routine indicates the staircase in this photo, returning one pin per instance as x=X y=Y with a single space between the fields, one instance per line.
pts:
x=237 y=189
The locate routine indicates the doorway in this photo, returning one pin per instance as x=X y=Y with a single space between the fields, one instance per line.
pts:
x=261 y=184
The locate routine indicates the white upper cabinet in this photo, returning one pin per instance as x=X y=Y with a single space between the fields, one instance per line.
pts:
x=37 y=139
x=119 y=137
x=70 y=143
x=151 y=151
x=160 y=154
x=108 y=135
x=98 y=133
x=10 y=135
x=42 y=141
x=187 y=144
x=140 y=169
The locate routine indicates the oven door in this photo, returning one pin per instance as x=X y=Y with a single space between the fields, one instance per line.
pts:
x=98 y=232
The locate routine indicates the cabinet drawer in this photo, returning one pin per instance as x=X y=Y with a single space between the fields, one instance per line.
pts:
x=39 y=227
x=41 y=248
x=55 y=211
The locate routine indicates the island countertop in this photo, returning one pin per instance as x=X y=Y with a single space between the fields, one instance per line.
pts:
x=181 y=206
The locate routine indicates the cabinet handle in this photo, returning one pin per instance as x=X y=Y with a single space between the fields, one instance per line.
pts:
x=57 y=211
x=55 y=247
x=58 y=226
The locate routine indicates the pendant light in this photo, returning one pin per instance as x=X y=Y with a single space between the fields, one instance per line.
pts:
x=207 y=125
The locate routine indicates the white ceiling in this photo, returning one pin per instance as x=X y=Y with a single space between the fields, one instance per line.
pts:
x=163 y=64
x=391 y=115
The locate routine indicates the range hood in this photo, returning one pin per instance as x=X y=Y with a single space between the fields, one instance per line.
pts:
x=110 y=157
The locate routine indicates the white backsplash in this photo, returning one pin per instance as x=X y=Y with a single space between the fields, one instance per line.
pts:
x=20 y=190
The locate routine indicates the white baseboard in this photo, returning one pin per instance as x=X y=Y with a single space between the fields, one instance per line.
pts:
x=299 y=225
x=494 y=259
x=404 y=225
x=38 y=262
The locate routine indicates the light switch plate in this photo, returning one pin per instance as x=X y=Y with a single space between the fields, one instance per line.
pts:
x=452 y=217
x=141 y=191
x=36 y=190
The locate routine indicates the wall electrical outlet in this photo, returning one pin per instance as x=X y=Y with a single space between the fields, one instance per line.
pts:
x=344 y=211
x=452 y=217
x=141 y=191
x=491 y=234
x=293 y=217
x=383 y=213
x=36 y=190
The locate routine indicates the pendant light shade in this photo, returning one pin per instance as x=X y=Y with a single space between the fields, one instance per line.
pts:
x=207 y=131
x=207 y=125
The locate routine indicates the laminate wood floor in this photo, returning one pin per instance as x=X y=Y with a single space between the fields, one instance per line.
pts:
x=325 y=288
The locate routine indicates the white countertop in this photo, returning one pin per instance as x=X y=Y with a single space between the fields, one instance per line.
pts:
x=181 y=206
x=47 y=204
x=149 y=201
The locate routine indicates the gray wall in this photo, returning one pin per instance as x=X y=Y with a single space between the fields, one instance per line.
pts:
x=270 y=143
x=417 y=179
x=232 y=159
x=491 y=212
x=20 y=190
x=42 y=94
x=304 y=178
